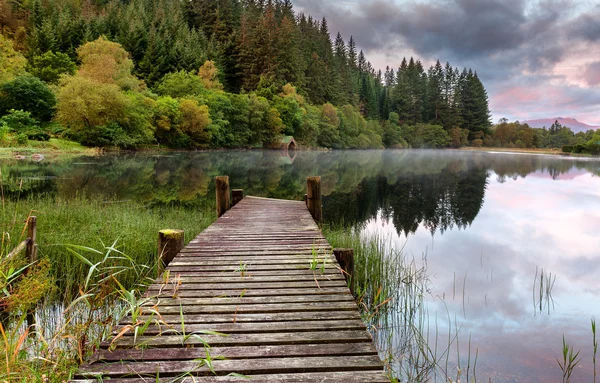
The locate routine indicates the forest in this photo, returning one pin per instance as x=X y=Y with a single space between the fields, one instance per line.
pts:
x=217 y=74
x=227 y=74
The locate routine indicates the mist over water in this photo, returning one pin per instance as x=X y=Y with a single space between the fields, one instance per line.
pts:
x=487 y=223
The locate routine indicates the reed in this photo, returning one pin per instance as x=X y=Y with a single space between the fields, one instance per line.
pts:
x=392 y=289
x=94 y=223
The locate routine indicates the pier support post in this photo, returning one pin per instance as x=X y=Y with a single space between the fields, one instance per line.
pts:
x=313 y=198
x=222 y=189
x=236 y=196
x=31 y=255
x=170 y=243
x=345 y=258
x=31 y=251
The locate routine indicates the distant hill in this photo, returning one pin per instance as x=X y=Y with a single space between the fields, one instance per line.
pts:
x=572 y=123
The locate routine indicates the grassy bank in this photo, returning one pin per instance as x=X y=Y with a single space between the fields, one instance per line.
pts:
x=84 y=246
x=51 y=148
x=132 y=227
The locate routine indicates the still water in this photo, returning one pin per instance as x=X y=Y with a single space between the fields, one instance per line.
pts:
x=487 y=225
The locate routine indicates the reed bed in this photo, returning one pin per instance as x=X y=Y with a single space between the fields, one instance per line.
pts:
x=392 y=290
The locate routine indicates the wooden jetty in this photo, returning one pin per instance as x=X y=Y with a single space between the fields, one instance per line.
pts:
x=258 y=296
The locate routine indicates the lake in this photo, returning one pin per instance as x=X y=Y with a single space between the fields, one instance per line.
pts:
x=509 y=241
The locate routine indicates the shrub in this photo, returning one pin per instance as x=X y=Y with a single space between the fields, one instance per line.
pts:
x=30 y=94
x=567 y=148
x=22 y=138
x=478 y=143
x=19 y=121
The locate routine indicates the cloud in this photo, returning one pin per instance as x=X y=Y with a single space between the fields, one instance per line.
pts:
x=510 y=43
x=591 y=74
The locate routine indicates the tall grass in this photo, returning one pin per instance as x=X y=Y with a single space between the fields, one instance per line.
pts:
x=391 y=290
x=93 y=223
x=79 y=292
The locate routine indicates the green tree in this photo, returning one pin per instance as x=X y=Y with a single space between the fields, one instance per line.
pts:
x=180 y=84
x=30 y=94
x=12 y=63
x=51 y=65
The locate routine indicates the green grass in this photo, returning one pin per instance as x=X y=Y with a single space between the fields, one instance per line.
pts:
x=52 y=147
x=93 y=223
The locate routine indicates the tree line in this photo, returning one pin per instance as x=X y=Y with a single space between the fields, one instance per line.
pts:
x=218 y=73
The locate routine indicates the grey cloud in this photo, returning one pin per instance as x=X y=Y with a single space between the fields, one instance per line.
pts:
x=586 y=26
x=591 y=75
x=505 y=41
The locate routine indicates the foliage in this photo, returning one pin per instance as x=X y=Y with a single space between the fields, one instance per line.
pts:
x=195 y=120
x=107 y=62
x=212 y=51
x=84 y=103
x=12 y=63
x=30 y=94
x=50 y=66
x=19 y=121
x=427 y=136
x=180 y=84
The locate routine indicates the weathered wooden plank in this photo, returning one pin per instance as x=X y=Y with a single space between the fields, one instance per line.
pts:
x=262 y=308
x=326 y=377
x=244 y=271
x=318 y=377
x=261 y=285
x=243 y=300
x=236 y=352
x=250 y=267
x=240 y=366
x=248 y=328
x=258 y=279
x=169 y=292
x=253 y=317
x=254 y=261
x=243 y=339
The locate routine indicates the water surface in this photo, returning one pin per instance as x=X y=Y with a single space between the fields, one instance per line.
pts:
x=486 y=223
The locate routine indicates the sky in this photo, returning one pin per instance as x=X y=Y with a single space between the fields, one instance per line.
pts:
x=536 y=58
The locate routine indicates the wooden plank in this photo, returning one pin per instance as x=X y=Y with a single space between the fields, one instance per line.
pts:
x=263 y=308
x=171 y=292
x=319 y=377
x=243 y=300
x=243 y=339
x=240 y=366
x=261 y=285
x=252 y=327
x=236 y=352
x=250 y=317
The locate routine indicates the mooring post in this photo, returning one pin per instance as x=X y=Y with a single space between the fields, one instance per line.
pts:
x=313 y=198
x=223 y=201
x=170 y=243
x=306 y=200
x=31 y=251
x=236 y=196
x=345 y=258
x=31 y=255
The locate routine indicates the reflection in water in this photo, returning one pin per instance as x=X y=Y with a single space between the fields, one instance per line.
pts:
x=487 y=222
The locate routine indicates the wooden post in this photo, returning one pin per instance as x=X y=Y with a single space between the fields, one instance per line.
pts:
x=306 y=200
x=31 y=255
x=223 y=201
x=345 y=258
x=170 y=243
x=236 y=196
x=313 y=199
x=31 y=251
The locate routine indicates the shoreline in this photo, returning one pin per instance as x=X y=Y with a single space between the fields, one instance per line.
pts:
x=24 y=152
